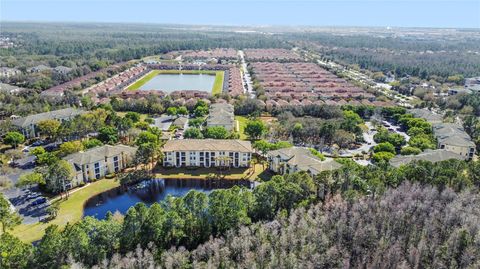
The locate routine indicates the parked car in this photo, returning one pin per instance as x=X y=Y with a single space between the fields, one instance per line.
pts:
x=38 y=143
x=33 y=195
x=39 y=201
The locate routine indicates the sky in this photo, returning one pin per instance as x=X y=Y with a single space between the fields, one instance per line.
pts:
x=383 y=13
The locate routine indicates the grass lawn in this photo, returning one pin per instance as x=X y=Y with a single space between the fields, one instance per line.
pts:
x=242 y=122
x=142 y=115
x=202 y=173
x=71 y=210
x=217 y=84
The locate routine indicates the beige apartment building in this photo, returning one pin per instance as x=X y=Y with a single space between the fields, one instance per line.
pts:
x=97 y=162
x=207 y=153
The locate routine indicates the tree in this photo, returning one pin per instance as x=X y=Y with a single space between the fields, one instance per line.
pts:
x=8 y=217
x=14 y=253
x=14 y=139
x=193 y=133
x=350 y=122
x=37 y=151
x=52 y=210
x=49 y=128
x=200 y=111
x=133 y=116
x=196 y=122
x=50 y=252
x=70 y=147
x=255 y=129
x=422 y=142
x=147 y=152
x=59 y=176
x=384 y=147
x=147 y=137
x=410 y=151
x=216 y=132
x=30 y=179
x=91 y=143
x=172 y=111
x=382 y=156
x=108 y=135
x=46 y=158
x=182 y=111
x=229 y=208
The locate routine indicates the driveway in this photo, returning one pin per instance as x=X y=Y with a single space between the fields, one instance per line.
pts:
x=163 y=122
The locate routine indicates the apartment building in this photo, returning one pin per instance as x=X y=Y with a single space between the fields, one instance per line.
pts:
x=295 y=159
x=28 y=125
x=97 y=162
x=453 y=137
x=221 y=114
x=207 y=153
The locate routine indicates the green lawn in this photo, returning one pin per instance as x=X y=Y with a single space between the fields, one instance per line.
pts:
x=242 y=122
x=217 y=84
x=71 y=210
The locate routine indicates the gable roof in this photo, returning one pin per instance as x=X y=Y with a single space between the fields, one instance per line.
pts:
x=56 y=114
x=180 y=121
x=220 y=114
x=99 y=153
x=304 y=160
x=208 y=145
x=433 y=156
x=426 y=115
x=452 y=134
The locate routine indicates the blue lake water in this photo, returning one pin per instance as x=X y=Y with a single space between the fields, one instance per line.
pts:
x=175 y=82
x=122 y=198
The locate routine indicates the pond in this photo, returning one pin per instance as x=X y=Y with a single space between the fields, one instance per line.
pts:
x=174 y=82
x=122 y=198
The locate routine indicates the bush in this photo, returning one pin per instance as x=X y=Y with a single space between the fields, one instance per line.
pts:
x=384 y=147
x=110 y=176
x=382 y=156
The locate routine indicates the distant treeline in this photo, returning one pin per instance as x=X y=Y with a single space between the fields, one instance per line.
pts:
x=425 y=57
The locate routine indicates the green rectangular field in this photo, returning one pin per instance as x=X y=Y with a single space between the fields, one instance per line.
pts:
x=217 y=84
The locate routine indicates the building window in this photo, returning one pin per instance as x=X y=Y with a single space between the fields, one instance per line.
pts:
x=115 y=164
x=96 y=167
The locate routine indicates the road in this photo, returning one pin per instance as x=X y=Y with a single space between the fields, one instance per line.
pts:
x=247 y=80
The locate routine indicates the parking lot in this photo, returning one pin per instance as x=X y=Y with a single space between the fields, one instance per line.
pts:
x=29 y=203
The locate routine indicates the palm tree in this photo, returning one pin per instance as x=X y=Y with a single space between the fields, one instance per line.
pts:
x=224 y=161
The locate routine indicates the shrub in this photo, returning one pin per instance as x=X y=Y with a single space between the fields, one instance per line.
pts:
x=382 y=156
x=384 y=147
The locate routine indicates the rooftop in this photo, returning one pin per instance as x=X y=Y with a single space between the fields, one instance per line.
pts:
x=208 y=145
x=433 y=156
x=99 y=154
x=303 y=159
x=452 y=134
x=427 y=115
x=56 y=114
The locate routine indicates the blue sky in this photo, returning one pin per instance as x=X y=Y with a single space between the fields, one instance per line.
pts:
x=407 y=13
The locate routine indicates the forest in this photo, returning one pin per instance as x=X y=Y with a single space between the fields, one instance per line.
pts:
x=425 y=56
x=339 y=218
x=90 y=47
